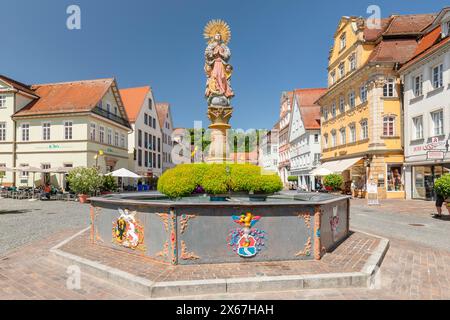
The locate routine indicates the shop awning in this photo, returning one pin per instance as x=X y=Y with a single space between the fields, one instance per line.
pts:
x=334 y=166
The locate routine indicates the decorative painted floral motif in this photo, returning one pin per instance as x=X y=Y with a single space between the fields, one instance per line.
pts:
x=127 y=231
x=185 y=255
x=184 y=221
x=246 y=241
x=334 y=223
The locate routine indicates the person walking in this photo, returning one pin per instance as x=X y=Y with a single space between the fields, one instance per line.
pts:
x=439 y=202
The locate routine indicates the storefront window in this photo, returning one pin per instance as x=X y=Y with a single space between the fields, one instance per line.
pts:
x=394 y=177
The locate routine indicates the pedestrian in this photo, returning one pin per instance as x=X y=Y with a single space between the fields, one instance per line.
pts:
x=439 y=202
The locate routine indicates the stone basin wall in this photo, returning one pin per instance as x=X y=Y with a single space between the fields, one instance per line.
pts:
x=197 y=233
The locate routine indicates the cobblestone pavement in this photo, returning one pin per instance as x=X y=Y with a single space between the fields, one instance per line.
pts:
x=23 y=221
x=350 y=256
x=417 y=265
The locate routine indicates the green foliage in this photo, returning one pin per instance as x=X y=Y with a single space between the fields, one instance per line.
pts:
x=109 y=184
x=442 y=186
x=333 y=181
x=177 y=182
x=292 y=179
x=217 y=179
x=85 y=180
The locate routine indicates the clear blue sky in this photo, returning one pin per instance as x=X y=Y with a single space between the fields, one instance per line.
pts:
x=276 y=45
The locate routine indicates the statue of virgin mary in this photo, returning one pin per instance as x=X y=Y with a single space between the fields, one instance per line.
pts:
x=217 y=68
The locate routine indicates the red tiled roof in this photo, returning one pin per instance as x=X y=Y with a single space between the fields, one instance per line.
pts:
x=399 y=50
x=428 y=44
x=133 y=99
x=18 y=85
x=409 y=24
x=373 y=34
x=67 y=97
x=309 y=109
x=162 y=109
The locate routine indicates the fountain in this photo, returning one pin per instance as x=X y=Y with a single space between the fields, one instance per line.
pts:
x=195 y=230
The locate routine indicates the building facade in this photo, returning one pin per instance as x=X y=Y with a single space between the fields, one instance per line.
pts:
x=62 y=125
x=426 y=81
x=165 y=122
x=304 y=136
x=283 y=137
x=145 y=141
x=361 y=120
x=268 y=153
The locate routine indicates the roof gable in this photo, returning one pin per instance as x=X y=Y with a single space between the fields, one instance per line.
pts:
x=133 y=100
x=162 y=110
x=13 y=84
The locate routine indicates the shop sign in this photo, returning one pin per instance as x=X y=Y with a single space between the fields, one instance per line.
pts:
x=435 y=155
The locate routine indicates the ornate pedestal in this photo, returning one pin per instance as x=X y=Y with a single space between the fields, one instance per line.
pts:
x=219 y=148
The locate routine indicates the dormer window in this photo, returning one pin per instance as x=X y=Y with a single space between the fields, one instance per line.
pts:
x=446 y=29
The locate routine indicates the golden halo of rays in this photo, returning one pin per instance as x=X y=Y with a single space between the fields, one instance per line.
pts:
x=216 y=26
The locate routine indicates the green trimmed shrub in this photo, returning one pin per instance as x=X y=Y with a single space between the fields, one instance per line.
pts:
x=333 y=181
x=292 y=179
x=215 y=179
x=85 y=180
x=442 y=186
x=242 y=177
x=267 y=183
x=177 y=182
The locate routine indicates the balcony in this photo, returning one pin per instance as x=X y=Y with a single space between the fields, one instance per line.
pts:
x=111 y=116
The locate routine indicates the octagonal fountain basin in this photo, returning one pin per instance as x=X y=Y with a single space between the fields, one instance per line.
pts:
x=195 y=230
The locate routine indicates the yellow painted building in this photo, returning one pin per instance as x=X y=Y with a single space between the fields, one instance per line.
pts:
x=361 y=114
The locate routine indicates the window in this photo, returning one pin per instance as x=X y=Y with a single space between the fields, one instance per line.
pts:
x=394 y=177
x=25 y=131
x=333 y=110
x=418 y=85
x=352 y=128
x=341 y=70
x=145 y=158
x=92 y=133
x=325 y=140
x=343 y=41
x=333 y=139
x=150 y=159
x=388 y=126
x=150 y=143
x=325 y=114
x=438 y=76
x=102 y=134
x=116 y=139
x=363 y=93
x=438 y=122
x=2 y=131
x=316 y=158
x=343 y=136
x=159 y=144
x=2 y=101
x=139 y=157
x=351 y=99
x=108 y=108
x=139 y=138
x=341 y=104
x=388 y=88
x=2 y=172
x=159 y=161
x=418 y=127
x=146 y=118
x=150 y=104
x=154 y=160
x=316 y=138
x=68 y=130
x=109 y=137
x=154 y=123
x=154 y=143
x=364 y=130
x=25 y=174
x=46 y=131
x=333 y=77
x=122 y=140
x=352 y=60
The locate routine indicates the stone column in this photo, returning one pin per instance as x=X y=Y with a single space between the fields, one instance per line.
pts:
x=219 y=147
